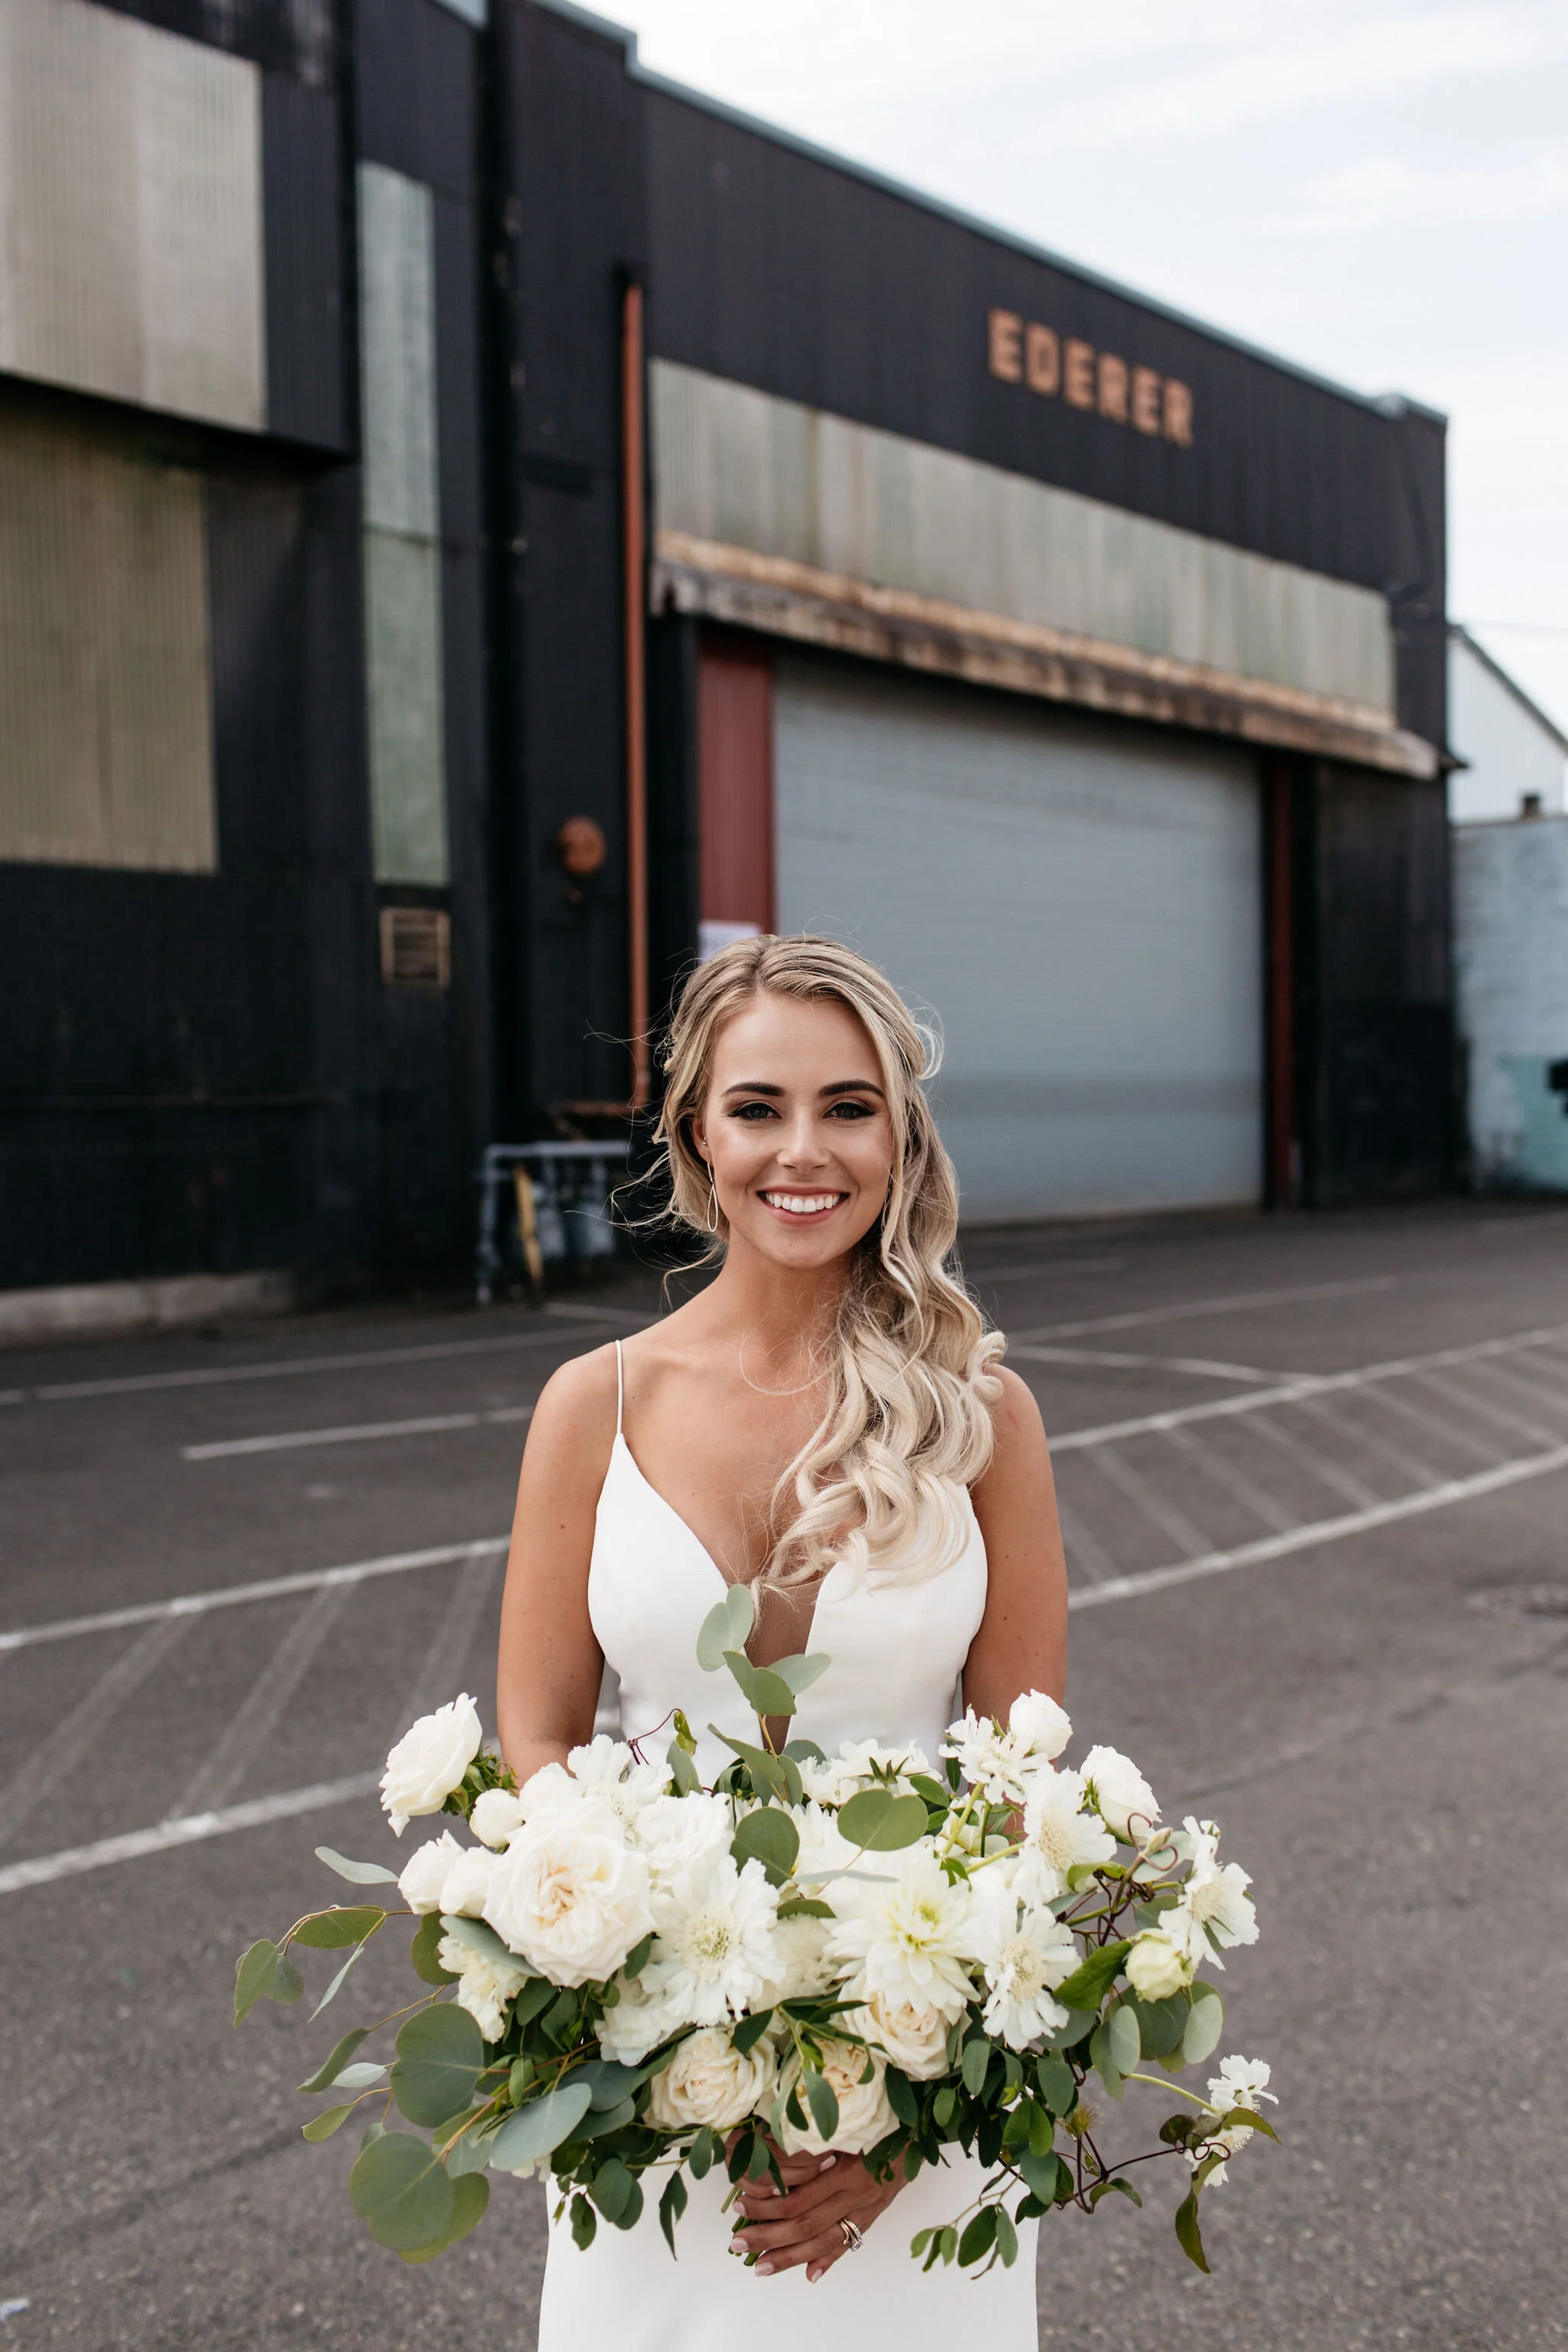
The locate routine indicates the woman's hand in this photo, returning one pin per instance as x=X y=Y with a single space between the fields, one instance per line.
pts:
x=802 y=2226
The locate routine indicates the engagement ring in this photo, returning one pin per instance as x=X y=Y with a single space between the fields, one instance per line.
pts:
x=854 y=2237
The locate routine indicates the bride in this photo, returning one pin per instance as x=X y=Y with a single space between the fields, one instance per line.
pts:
x=827 y=1420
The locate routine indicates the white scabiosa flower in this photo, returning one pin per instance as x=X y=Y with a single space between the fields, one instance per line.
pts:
x=429 y=1761
x=1025 y=1953
x=1044 y=1728
x=1157 y=1966
x=570 y=1895
x=496 y=1813
x=609 y=1770
x=864 y=2114
x=710 y=2082
x=1241 y=2083
x=902 y=1934
x=426 y=1872
x=994 y=1761
x=1124 y=1799
x=486 y=1983
x=911 y=2035
x=1061 y=1833
x=715 y=1955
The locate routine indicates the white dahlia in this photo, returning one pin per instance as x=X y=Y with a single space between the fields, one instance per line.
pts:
x=902 y=1934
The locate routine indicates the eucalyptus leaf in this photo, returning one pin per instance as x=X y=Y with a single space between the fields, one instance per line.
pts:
x=751 y=2030
x=400 y=2192
x=609 y=2083
x=1088 y=1984
x=799 y=1749
x=769 y=1837
x=330 y=1930
x=979 y=2236
x=539 y=2128
x=1057 y=2087
x=823 y=2100
x=471 y=2195
x=611 y=2189
x=976 y=2059
x=359 y=2077
x=285 y=1984
x=482 y=1941
x=323 y=2126
x=469 y=2153
x=1121 y=2033
x=882 y=1822
x=1006 y=2238
x=439 y=2054
x=1103 y=2058
x=597 y=2126
x=361 y=1873
x=584 y=2223
x=682 y=1771
x=337 y=1984
x=423 y=1949
x=1205 y=2026
x=252 y=1975
x=1188 y=2236
x=800 y=1673
x=726 y=1627
x=804 y=1906
x=765 y=1692
x=671 y=2206
x=779 y=1773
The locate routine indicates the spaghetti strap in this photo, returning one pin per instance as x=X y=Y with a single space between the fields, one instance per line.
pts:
x=620 y=1389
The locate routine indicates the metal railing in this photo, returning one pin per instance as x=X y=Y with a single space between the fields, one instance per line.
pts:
x=562 y=1195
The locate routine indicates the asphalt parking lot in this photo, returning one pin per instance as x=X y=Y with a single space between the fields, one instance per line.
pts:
x=1314 y=1478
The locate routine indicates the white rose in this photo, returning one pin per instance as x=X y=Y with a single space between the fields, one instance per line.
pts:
x=1156 y=1967
x=468 y=1881
x=570 y=1898
x=426 y=1872
x=485 y=1984
x=910 y=2035
x=1125 y=1799
x=1044 y=1728
x=865 y=2114
x=681 y=1837
x=708 y=2081
x=429 y=1761
x=495 y=1816
x=639 y=2022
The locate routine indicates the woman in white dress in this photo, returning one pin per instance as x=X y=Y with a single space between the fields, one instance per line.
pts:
x=828 y=1420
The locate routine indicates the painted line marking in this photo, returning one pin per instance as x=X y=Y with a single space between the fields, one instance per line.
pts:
x=289 y=1440
x=134 y=1845
x=1147 y=1499
x=72 y=1730
x=1324 y=1532
x=1204 y=1368
x=993 y=1274
x=254 y=1721
x=294 y=1367
x=1074 y=1441
x=239 y=1596
x=1234 y=1302
x=448 y=1656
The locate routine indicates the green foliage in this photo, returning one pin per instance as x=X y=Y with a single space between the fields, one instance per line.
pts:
x=804 y=1906
x=882 y=1822
x=1160 y=2023
x=1103 y=2058
x=401 y=2193
x=682 y=1771
x=252 y=1974
x=471 y=2195
x=701 y=2153
x=671 y=2206
x=1104 y=2188
x=726 y=1627
x=584 y=2223
x=1088 y=1984
x=800 y=1673
x=540 y=2128
x=323 y=2126
x=285 y=1984
x=771 y=1838
x=1188 y=2236
x=823 y=2101
x=1058 y=2086
x=422 y=1951
x=979 y=2236
x=330 y=1931
x=327 y=2074
x=751 y=2030
x=440 y=2051
x=361 y=1873
x=975 y=2061
x=764 y=1691
x=1205 y=2025
x=1122 y=2035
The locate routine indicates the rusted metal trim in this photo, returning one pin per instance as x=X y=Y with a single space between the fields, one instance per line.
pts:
x=787 y=599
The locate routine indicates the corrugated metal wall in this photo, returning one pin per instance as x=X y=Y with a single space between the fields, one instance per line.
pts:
x=131 y=189
x=743 y=468
x=1078 y=901
x=1510 y=957
x=402 y=527
x=105 y=735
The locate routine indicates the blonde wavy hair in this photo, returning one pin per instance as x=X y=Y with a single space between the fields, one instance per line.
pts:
x=907 y=1426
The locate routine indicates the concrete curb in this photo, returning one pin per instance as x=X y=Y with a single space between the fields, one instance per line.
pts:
x=97 y=1309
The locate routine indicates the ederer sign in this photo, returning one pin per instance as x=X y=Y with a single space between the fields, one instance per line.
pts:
x=1027 y=353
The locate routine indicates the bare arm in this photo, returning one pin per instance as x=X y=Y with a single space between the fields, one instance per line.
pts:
x=1022 y=1643
x=547 y=1676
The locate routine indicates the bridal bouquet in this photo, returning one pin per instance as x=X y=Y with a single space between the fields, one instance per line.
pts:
x=628 y=1974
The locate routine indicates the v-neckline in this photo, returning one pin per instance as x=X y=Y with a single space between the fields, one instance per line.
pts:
x=689 y=1532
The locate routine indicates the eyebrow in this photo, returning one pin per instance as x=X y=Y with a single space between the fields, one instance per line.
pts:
x=838 y=1086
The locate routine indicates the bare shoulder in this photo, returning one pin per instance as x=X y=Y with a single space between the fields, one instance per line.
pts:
x=1015 y=1414
x=573 y=1422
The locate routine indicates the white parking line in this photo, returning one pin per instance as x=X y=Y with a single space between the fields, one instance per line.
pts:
x=239 y=1596
x=136 y=1844
x=356 y=1432
x=256 y=1719
x=1203 y=1368
x=1234 y=1302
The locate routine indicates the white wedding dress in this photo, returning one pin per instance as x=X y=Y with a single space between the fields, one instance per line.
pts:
x=897 y=1651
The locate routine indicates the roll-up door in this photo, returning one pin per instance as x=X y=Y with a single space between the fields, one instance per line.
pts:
x=1078 y=899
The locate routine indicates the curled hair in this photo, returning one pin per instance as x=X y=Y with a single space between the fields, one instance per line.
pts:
x=907 y=1426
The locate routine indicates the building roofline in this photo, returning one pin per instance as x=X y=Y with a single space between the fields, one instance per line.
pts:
x=1389 y=405
x=1457 y=630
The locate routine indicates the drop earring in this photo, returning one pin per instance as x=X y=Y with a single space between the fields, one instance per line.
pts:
x=711 y=1220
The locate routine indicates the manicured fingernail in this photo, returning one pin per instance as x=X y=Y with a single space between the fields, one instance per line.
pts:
x=813 y=2274
x=765 y=2269
x=828 y=2164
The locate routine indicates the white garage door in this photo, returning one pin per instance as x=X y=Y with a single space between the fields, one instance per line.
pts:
x=1078 y=900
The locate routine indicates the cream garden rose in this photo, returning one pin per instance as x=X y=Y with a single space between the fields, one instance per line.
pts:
x=911 y=2034
x=429 y=1761
x=709 y=2081
x=570 y=1897
x=865 y=2113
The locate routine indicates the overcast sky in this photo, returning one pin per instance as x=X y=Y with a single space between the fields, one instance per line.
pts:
x=1376 y=188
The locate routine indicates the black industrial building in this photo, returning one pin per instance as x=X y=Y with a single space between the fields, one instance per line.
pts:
x=478 y=522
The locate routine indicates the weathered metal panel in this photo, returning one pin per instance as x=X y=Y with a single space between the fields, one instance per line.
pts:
x=1080 y=903
x=1511 y=957
x=307 y=376
x=742 y=468
x=130 y=261
x=401 y=516
x=105 y=697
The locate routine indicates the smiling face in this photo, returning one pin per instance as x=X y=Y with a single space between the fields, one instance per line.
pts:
x=796 y=1129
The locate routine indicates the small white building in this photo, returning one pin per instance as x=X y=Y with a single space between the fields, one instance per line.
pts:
x=1516 y=758
x=1511 y=955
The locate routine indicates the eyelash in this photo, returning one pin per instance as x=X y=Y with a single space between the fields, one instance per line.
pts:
x=851 y=1110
